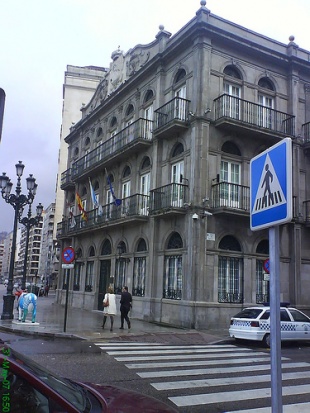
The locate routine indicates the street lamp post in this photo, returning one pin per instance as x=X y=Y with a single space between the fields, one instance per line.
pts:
x=28 y=223
x=18 y=201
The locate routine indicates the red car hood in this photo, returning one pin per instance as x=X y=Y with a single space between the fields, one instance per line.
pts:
x=127 y=401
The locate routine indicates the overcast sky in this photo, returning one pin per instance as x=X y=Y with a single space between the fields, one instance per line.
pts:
x=39 y=38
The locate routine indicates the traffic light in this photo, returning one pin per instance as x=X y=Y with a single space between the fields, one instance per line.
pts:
x=2 y=101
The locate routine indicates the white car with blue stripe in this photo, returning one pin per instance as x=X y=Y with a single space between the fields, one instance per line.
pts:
x=253 y=323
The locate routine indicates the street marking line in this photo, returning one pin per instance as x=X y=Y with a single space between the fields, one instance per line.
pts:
x=202 y=356
x=223 y=381
x=222 y=397
x=196 y=363
x=236 y=369
x=170 y=351
x=288 y=408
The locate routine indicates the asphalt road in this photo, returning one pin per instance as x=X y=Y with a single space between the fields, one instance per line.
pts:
x=85 y=361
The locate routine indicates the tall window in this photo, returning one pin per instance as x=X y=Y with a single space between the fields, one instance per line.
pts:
x=262 y=279
x=77 y=276
x=180 y=109
x=139 y=270
x=230 y=176
x=173 y=276
x=230 y=279
x=148 y=114
x=120 y=268
x=232 y=101
x=126 y=191
x=266 y=115
x=177 y=171
x=89 y=279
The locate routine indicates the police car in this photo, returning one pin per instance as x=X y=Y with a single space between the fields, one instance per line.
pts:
x=253 y=323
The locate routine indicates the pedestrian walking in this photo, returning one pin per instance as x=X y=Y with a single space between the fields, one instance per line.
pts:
x=126 y=304
x=46 y=290
x=109 y=304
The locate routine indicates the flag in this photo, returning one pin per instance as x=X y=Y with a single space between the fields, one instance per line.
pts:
x=80 y=206
x=72 y=220
x=93 y=195
x=117 y=201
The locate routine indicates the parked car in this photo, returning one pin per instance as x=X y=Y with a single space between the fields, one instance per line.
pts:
x=253 y=323
x=29 y=388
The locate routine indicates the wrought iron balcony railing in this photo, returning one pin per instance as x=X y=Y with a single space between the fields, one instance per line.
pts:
x=168 y=197
x=136 y=132
x=130 y=207
x=231 y=196
x=244 y=112
x=66 y=179
x=307 y=212
x=175 y=110
x=306 y=132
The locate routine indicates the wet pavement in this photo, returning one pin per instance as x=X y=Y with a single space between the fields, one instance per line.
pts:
x=86 y=325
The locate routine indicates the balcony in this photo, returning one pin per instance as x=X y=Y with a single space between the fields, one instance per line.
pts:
x=66 y=181
x=130 y=139
x=307 y=213
x=169 y=199
x=240 y=115
x=306 y=137
x=132 y=209
x=230 y=198
x=171 y=118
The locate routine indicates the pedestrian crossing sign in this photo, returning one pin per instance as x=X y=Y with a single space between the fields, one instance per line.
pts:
x=271 y=186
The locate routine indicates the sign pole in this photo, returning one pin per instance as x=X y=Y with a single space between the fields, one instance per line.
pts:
x=275 y=321
x=68 y=256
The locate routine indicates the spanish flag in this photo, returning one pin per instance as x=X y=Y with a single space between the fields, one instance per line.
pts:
x=80 y=206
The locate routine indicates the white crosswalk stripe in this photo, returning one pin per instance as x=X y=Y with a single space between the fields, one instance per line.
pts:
x=206 y=374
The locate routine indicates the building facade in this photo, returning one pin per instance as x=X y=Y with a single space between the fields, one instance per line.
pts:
x=157 y=179
x=32 y=262
x=47 y=246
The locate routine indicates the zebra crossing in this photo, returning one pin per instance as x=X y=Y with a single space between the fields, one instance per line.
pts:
x=213 y=375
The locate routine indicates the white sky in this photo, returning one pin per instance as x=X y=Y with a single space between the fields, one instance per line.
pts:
x=39 y=38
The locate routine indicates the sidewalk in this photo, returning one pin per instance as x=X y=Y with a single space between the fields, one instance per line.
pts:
x=84 y=324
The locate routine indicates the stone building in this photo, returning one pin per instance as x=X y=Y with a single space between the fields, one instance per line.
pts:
x=157 y=179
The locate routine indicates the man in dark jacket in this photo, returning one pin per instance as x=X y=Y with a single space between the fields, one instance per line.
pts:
x=126 y=300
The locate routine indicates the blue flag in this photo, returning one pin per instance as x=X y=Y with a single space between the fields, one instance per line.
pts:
x=117 y=201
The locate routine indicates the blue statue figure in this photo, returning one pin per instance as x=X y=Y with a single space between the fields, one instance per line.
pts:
x=27 y=302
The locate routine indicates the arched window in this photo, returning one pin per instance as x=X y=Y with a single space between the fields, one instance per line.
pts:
x=263 y=247
x=84 y=191
x=113 y=123
x=146 y=163
x=129 y=110
x=99 y=132
x=106 y=248
x=96 y=186
x=76 y=151
x=126 y=172
x=177 y=150
x=87 y=141
x=231 y=147
x=229 y=243
x=266 y=83
x=232 y=71
x=91 y=252
x=180 y=75
x=121 y=248
x=230 y=277
x=175 y=241
x=148 y=96
x=141 y=245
